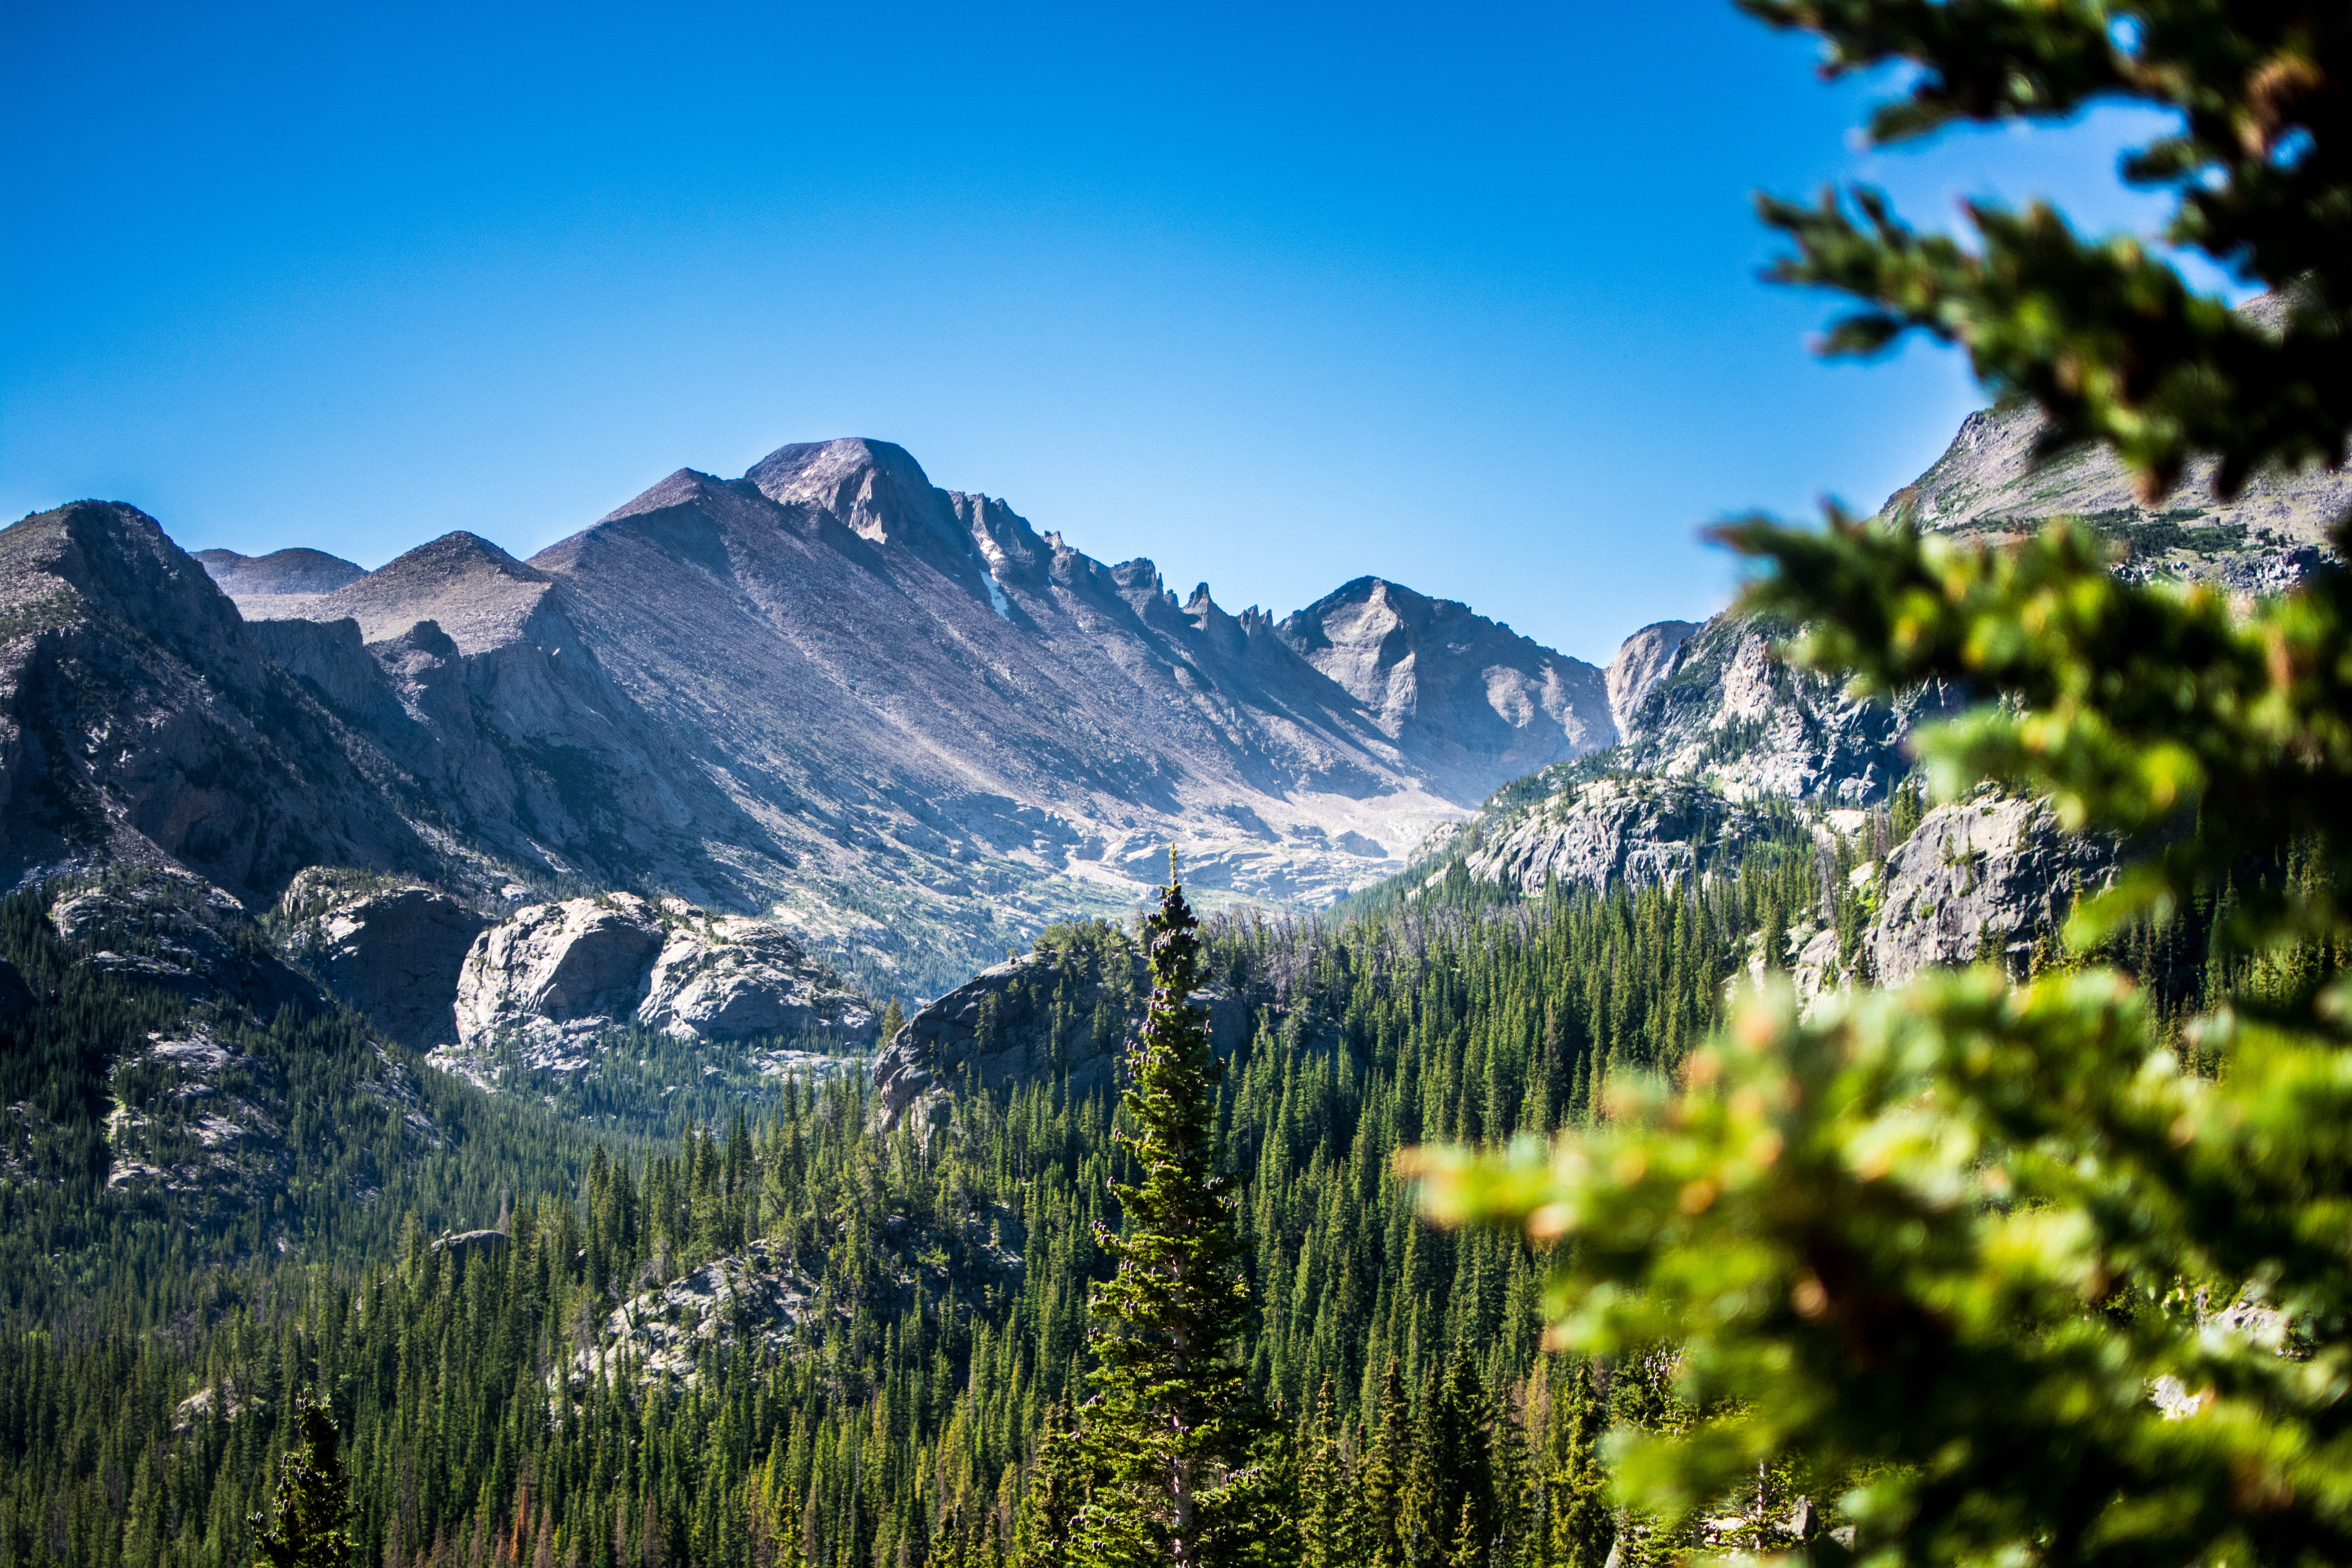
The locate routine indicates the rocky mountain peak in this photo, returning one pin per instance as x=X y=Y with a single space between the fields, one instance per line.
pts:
x=874 y=487
x=141 y=721
x=680 y=488
x=1442 y=678
x=296 y=570
x=1995 y=479
x=478 y=592
x=117 y=558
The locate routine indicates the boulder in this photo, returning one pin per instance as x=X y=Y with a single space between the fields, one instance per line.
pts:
x=468 y=1244
x=1984 y=878
x=581 y=962
x=393 y=953
x=734 y=978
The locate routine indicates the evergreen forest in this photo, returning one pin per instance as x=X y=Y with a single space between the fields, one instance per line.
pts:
x=597 y=1386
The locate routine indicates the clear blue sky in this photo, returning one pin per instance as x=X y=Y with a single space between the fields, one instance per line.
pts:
x=1465 y=297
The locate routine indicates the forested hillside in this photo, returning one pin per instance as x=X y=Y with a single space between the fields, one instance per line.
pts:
x=788 y=1335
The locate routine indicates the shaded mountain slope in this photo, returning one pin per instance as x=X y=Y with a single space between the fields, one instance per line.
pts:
x=142 y=719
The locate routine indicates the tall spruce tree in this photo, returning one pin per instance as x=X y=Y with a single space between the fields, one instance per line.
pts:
x=306 y=1524
x=1172 y=1428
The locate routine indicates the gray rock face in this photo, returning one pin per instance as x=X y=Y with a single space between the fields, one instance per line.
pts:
x=1639 y=831
x=1991 y=875
x=1729 y=712
x=581 y=962
x=197 y=1125
x=229 y=1113
x=1643 y=660
x=555 y=976
x=744 y=1300
x=2270 y=535
x=732 y=979
x=1470 y=701
x=762 y=1297
x=472 y=1243
x=140 y=721
x=1986 y=482
x=395 y=953
x=1058 y=1013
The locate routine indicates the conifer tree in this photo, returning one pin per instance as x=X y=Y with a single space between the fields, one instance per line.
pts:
x=1388 y=1460
x=1171 y=1428
x=1582 y=1529
x=306 y=1525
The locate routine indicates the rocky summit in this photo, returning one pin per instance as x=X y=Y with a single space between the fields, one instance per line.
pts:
x=896 y=718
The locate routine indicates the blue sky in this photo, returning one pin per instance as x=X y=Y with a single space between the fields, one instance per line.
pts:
x=1277 y=295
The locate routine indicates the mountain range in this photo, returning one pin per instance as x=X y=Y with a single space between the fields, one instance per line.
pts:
x=895 y=717
x=908 y=727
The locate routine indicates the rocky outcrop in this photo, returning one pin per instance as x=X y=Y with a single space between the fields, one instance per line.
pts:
x=1984 y=877
x=558 y=971
x=168 y=929
x=206 y=1118
x=472 y=1243
x=553 y=978
x=1643 y=660
x=735 y=979
x=1062 y=1012
x=766 y=1296
x=1637 y=831
x=757 y=1297
x=394 y=953
x=1726 y=710
x=198 y=1121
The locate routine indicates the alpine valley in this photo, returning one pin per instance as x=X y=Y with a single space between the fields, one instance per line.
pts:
x=637 y=1030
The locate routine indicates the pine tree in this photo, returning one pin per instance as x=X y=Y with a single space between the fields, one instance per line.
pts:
x=1173 y=1427
x=893 y=1020
x=1052 y=1499
x=306 y=1525
x=1469 y=1550
x=1332 y=1509
x=1581 y=1527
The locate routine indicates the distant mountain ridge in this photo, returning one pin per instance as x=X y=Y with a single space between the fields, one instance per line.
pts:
x=895 y=716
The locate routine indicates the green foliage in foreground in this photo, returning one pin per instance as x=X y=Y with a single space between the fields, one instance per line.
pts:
x=1985 y=1262
x=2104 y=334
